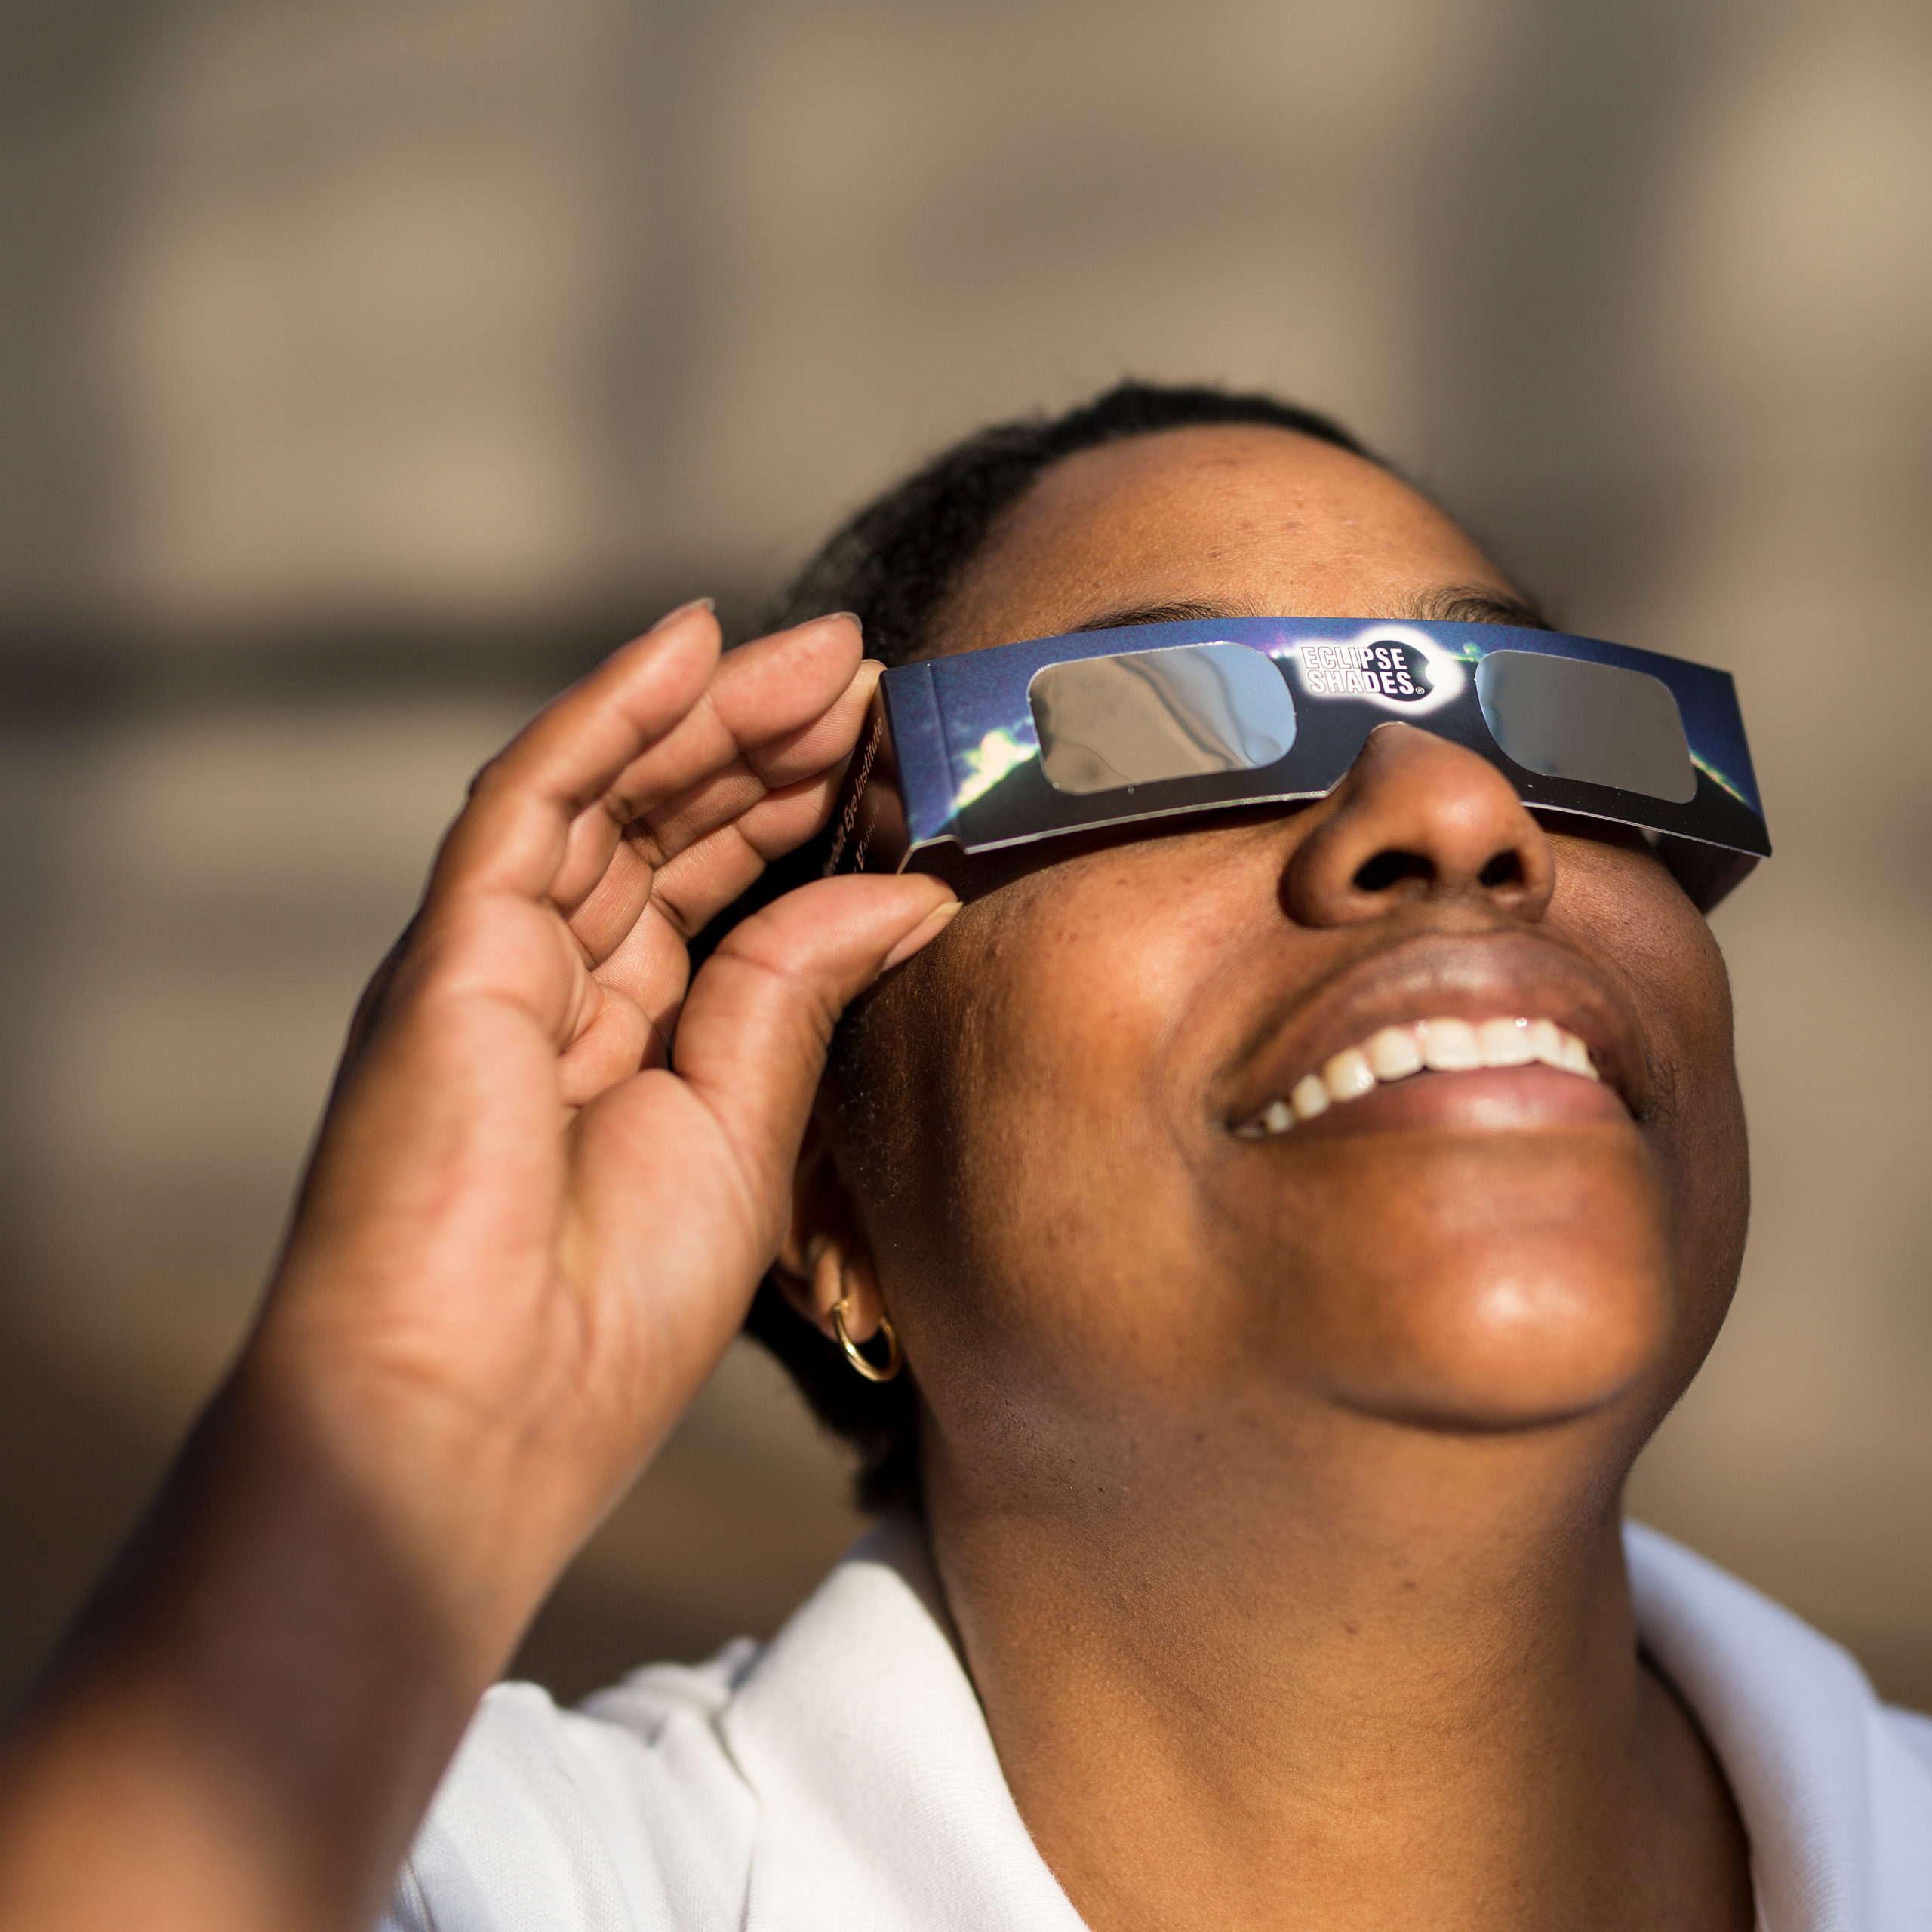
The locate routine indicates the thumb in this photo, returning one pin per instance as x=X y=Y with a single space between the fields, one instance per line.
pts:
x=691 y=1167
x=752 y=1041
x=681 y=1182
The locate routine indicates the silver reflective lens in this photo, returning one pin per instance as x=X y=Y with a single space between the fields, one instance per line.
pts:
x=1597 y=723
x=1181 y=712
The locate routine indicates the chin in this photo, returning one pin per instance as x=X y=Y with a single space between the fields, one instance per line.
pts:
x=1523 y=1349
x=1499 y=1289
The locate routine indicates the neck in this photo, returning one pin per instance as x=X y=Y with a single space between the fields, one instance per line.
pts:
x=1393 y=1680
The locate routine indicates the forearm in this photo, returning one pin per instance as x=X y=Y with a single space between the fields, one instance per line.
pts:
x=247 y=1723
x=523 y=1244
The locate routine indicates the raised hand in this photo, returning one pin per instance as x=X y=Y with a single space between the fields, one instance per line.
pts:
x=551 y=1178
x=520 y=1214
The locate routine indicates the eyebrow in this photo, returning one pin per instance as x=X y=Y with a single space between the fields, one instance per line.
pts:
x=1448 y=604
x=1129 y=615
x=1476 y=604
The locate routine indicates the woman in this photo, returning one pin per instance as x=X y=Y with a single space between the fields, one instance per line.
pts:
x=1262 y=1562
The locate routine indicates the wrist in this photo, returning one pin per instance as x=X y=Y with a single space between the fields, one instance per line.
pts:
x=261 y=1696
x=457 y=1519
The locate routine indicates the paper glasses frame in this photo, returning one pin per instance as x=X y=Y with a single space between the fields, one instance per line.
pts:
x=1001 y=747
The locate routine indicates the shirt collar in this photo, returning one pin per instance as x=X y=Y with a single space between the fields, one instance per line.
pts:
x=881 y=1802
x=1837 y=1809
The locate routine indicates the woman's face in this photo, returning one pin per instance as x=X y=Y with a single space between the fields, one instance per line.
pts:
x=1085 y=1256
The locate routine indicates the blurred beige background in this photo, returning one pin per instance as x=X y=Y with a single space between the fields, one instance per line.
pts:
x=367 y=369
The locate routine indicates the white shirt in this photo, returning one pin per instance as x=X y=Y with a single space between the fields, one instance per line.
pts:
x=841 y=1779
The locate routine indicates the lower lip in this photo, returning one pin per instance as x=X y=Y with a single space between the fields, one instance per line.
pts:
x=1492 y=1100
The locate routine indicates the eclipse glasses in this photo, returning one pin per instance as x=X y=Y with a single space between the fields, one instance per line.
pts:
x=1023 y=742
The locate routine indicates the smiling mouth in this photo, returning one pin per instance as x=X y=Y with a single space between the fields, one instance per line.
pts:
x=1437 y=1046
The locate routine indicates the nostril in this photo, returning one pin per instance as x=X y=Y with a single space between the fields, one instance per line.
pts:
x=1387 y=868
x=1506 y=868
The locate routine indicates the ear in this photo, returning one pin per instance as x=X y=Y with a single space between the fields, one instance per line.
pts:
x=823 y=1259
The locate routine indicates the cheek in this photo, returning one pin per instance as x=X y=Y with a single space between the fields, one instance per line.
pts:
x=1051 y=1268
x=1064 y=1239
x=1702 y=1147
x=1674 y=971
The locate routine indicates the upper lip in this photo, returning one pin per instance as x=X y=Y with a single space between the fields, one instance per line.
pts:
x=1458 y=975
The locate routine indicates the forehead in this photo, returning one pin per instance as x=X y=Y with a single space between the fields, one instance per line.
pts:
x=1240 y=519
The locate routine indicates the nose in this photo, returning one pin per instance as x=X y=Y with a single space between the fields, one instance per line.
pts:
x=1418 y=818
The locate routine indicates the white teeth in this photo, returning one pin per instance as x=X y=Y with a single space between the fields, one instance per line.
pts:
x=1546 y=1040
x=1576 y=1057
x=1449 y=1046
x=1309 y=1096
x=1444 y=1046
x=1394 y=1052
x=1504 y=1043
x=1349 y=1076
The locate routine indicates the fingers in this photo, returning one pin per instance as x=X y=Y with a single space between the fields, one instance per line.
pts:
x=752 y=1041
x=688 y=891
x=512 y=835
x=662 y=724
x=776 y=711
x=783 y=707
x=610 y=1045
x=647 y=963
x=694 y=852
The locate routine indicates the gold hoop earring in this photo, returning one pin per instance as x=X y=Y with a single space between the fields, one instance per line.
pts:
x=894 y=1361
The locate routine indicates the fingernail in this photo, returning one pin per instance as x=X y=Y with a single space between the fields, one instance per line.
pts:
x=683 y=610
x=928 y=929
x=858 y=623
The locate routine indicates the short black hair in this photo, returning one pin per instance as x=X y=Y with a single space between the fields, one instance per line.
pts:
x=894 y=565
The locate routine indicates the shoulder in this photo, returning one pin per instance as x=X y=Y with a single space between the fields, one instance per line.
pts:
x=628 y=1812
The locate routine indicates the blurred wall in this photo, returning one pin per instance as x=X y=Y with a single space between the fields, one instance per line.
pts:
x=367 y=369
